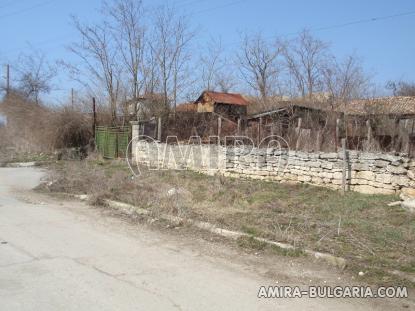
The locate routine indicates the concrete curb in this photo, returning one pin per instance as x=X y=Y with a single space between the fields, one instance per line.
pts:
x=21 y=164
x=129 y=209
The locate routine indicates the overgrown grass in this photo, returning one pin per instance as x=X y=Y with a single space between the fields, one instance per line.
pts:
x=9 y=156
x=361 y=228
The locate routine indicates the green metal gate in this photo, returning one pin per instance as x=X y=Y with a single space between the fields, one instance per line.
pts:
x=112 y=142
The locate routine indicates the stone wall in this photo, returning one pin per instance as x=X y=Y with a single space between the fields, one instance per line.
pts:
x=366 y=172
x=371 y=173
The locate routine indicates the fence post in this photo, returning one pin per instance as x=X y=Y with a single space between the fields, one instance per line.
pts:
x=369 y=134
x=159 y=129
x=259 y=131
x=345 y=165
x=219 y=127
x=155 y=128
x=94 y=112
x=318 y=141
x=337 y=134
x=135 y=134
x=297 y=144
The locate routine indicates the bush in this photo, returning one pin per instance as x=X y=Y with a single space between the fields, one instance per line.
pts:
x=36 y=128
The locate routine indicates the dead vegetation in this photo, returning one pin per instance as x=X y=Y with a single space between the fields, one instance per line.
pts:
x=373 y=237
x=35 y=128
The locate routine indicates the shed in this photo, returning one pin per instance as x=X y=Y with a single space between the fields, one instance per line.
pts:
x=227 y=104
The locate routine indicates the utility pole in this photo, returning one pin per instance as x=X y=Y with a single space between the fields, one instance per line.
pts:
x=72 y=98
x=7 y=79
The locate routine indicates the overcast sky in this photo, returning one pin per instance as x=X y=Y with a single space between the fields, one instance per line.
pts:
x=386 y=45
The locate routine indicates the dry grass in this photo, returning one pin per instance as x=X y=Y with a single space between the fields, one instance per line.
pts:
x=372 y=236
x=33 y=128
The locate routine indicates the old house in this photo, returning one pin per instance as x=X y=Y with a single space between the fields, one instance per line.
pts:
x=232 y=106
x=146 y=106
x=380 y=123
x=213 y=113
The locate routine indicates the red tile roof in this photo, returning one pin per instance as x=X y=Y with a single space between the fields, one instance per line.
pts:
x=226 y=98
x=396 y=105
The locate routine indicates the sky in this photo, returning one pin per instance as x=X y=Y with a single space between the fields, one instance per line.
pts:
x=381 y=32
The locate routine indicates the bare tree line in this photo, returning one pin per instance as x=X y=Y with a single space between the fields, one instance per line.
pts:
x=302 y=67
x=135 y=50
x=132 y=52
x=31 y=75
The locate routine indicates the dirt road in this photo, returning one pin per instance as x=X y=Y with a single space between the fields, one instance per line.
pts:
x=62 y=255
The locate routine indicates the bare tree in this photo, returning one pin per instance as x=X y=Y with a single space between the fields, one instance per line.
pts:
x=35 y=74
x=170 y=39
x=258 y=65
x=345 y=80
x=129 y=31
x=216 y=70
x=211 y=63
x=401 y=88
x=99 y=55
x=226 y=81
x=305 y=57
x=151 y=72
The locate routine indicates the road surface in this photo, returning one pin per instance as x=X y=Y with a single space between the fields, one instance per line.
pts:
x=63 y=255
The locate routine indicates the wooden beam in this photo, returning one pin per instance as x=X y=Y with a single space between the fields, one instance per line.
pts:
x=369 y=132
x=337 y=134
x=297 y=144
x=219 y=128
x=259 y=130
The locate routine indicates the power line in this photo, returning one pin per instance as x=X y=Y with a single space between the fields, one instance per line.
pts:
x=343 y=25
x=219 y=7
x=361 y=21
x=27 y=9
x=186 y=3
x=39 y=43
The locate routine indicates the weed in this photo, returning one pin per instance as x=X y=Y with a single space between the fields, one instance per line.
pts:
x=361 y=228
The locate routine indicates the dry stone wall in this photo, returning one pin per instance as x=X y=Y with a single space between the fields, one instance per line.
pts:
x=371 y=173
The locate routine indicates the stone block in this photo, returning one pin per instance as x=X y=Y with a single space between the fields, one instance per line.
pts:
x=408 y=193
x=381 y=163
x=384 y=178
x=400 y=180
x=326 y=165
x=368 y=175
x=331 y=155
x=367 y=189
x=361 y=167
